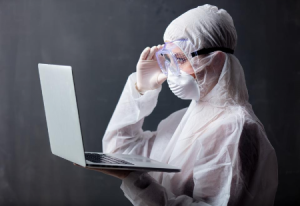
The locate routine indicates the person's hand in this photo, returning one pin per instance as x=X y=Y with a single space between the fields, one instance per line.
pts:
x=121 y=174
x=149 y=75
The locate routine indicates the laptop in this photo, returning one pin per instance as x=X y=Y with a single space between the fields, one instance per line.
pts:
x=64 y=130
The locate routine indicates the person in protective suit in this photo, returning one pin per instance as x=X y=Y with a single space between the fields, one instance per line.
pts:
x=221 y=146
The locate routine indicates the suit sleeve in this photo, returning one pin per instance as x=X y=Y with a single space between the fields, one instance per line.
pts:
x=213 y=172
x=142 y=190
x=124 y=133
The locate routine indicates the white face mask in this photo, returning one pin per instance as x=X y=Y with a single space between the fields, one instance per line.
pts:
x=184 y=86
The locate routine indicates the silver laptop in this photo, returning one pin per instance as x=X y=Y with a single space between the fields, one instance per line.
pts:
x=64 y=126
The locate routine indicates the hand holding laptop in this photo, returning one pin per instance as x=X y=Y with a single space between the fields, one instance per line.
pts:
x=121 y=174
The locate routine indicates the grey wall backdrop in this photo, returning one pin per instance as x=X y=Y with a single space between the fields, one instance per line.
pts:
x=102 y=41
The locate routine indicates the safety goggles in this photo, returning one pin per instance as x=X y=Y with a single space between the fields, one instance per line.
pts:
x=179 y=55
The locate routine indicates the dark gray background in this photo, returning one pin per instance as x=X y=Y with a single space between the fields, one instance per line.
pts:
x=102 y=41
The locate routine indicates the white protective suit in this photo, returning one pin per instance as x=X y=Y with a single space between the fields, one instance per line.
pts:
x=221 y=146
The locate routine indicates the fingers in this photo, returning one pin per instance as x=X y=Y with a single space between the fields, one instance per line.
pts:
x=149 y=53
x=153 y=50
x=145 y=53
x=160 y=46
x=152 y=53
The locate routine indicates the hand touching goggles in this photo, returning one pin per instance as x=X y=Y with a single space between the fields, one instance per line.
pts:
x=172 y=56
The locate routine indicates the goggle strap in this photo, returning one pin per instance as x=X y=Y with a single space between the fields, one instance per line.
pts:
x=209 y=50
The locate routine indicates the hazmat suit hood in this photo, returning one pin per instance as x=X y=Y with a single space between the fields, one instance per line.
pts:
x=208 y=27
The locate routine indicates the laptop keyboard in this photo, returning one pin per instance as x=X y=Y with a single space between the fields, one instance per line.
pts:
x=102 y=158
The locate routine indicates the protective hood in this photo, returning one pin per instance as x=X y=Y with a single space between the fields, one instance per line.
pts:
x=208 y=27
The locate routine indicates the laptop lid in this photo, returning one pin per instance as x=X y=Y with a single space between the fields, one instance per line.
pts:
x=61 y=112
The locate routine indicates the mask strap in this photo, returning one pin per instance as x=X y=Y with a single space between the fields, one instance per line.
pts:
x=209 y=50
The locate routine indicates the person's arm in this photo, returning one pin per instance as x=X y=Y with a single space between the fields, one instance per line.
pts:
x=124 y=133
x=141 y=189
x=213 y=172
